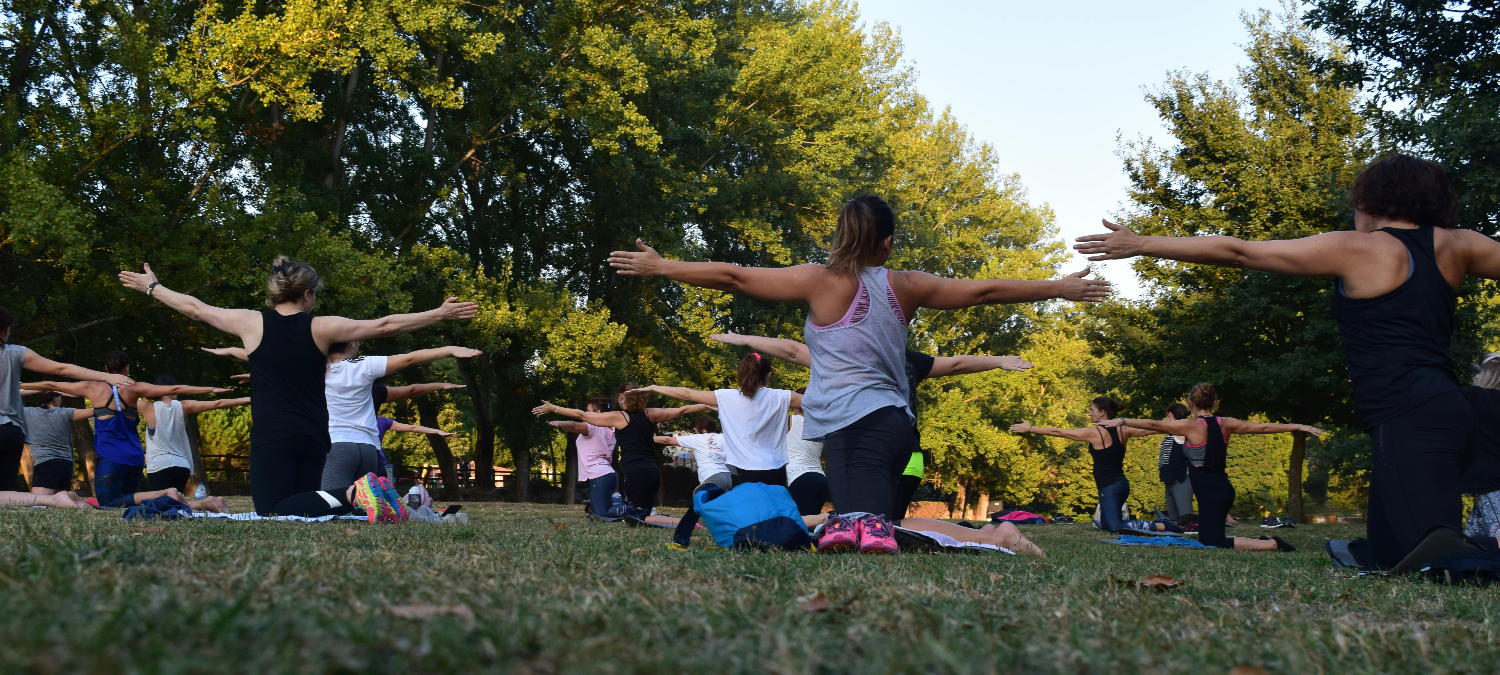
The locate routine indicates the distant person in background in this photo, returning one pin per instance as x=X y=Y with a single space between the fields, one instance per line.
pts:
x=596 y=445
x=1481 y=479
x=169 y=454
x=1172 y=468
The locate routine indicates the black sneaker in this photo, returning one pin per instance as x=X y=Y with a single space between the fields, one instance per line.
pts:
x=1287 y=521
x=1272 y=522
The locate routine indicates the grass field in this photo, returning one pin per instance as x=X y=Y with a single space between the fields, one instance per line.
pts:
x=537 y=589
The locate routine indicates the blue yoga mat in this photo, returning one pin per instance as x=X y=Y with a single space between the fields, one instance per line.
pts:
x=1129 y=540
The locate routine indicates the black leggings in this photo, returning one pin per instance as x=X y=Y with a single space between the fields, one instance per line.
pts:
x=12 y=444
x=1215 y=495
x=170 y=477
x=738 y=476
x=810 y=491
x=906 y=489
x=865 y=461
x=1414 y=481
x=285 y=476
x=641 y=484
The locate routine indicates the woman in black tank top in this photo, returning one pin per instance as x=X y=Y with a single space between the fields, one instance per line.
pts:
x=1210 y=483
x=635 y=431
x=288 y=354
x=1397 y=273
x=1107 y=447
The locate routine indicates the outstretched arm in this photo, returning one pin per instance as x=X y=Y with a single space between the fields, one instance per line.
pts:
x=1234 y=426
x=330 y=329
x=399 y=361
x=1331 y=254
x=665 y=440
x=777 y=284
x=614 y=419
x=393 y=394
x=790 y=351
x=1174 y=427
x=920 y=289
x=571 y=427
x=241 y=322
x=669 y=414
x=159 y=390
x=69 y=388
x=80 y=414
x=1085 y=435
x=417 y=429
x=681 y=394
x=195 y=407
x=944 y=366
x=37 y=363
x=232 y=352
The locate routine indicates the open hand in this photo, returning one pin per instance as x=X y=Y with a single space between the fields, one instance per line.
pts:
x=728 y=338
x=117 y=380
x=651 y=388
x=138 y=282
x=242 y=378
x=446 y=434
x=1120 y=243
x=448 y=387
x=645 y=263
x=453 y=310
x=221 y=390
x=544 y=408
x=1079 y=289
x=463 y=352
x=1023 y=428
x=1312 y=430
x=1015 y=363
x=1110 y=423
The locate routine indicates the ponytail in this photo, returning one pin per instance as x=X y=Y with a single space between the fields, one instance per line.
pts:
x=864 y=222
x=754 y=372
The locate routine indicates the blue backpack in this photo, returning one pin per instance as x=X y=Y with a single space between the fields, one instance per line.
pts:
x=752 y=515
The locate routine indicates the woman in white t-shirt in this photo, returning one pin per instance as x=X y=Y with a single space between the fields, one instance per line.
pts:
x=596 y=446
x=754 y=418
x=352 y=427
x=804 y=468
x=707 y=444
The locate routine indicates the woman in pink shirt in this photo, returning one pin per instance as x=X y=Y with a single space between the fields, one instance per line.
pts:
x=595 y=447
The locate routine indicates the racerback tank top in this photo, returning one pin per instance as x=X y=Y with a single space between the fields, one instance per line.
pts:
x=637 y=441
x=1396 y=345
x=1109 y=463
x=286 y=381
x=1213 y=455
x=117 y=435
x=858 y=362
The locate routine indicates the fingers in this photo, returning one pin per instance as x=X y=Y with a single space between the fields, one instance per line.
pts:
x=1082 y=273
x=1110 y=226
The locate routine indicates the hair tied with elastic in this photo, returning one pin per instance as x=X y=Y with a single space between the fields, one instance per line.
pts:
x=280 y=269
x=756 y=355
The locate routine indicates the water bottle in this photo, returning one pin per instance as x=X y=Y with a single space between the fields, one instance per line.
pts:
x=614 y=500
x=414 y=498
x=200 y=492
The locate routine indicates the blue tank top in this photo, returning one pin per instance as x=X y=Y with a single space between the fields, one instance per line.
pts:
x=117 y=435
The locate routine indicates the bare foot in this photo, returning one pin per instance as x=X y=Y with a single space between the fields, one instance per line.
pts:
x=215 y=504
x=80 y=502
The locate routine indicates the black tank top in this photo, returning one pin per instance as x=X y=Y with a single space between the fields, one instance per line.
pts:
x=637 y=441
x=1109 y=463
x=286 y=381
x=1396 y=345
x=1215 y=449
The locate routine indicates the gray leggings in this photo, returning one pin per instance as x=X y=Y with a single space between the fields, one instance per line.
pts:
x=1179 y=499
x=348 y=462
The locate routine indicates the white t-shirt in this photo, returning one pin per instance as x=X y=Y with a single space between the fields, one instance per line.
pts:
x=168 y=446
x=754 y=428
x=708 y=452
x=351 y=411
x=801 y=456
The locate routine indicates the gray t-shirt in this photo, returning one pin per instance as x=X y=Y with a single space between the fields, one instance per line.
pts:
x=50 y=433
x=10 y=386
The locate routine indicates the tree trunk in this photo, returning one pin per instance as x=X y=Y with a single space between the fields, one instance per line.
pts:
x=427 y=417
x=959 y=502
x=1294 y=476
x=981 y=507
x=570 y=471
x=190 y=424
x=484 y=424
x=521 y=491
x=83 y=442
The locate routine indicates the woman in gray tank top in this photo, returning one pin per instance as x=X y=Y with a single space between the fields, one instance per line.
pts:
x=856 y=332
x=14 y=358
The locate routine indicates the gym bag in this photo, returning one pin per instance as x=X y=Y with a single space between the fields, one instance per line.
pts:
x=752 y=515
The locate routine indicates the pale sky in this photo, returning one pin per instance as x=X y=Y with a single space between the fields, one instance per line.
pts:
x=1052 y=87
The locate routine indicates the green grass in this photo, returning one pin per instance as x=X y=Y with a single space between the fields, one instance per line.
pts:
x=87 y=592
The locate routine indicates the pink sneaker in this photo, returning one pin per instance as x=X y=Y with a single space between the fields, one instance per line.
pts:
x=839 y=534
x=876 y=535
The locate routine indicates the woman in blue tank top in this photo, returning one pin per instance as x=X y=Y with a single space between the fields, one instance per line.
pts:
x=856 y=400
x=1397 y=274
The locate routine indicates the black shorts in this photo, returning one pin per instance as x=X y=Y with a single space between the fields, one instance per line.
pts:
x=53 y=474
x=170 y=477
